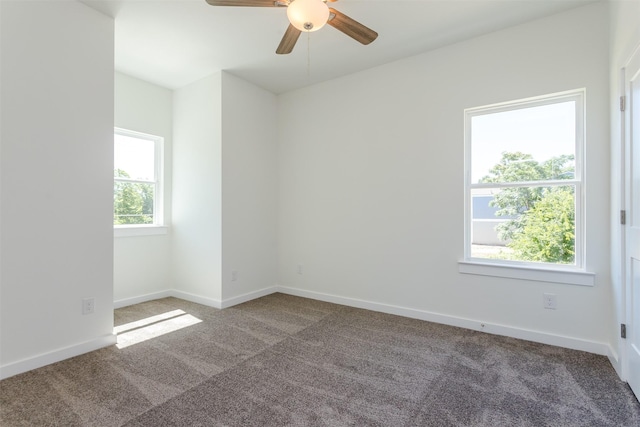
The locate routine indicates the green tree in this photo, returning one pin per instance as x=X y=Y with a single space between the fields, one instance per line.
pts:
x=527 y=208
x=513 y=202
x=548 y=229
x=146 y=192
x=560 y=167
x=132 y=202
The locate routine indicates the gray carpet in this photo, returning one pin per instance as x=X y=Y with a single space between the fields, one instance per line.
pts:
x=288 y=361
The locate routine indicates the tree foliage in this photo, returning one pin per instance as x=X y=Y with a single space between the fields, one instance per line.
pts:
x=132 y=201
x=548 y=229
x=540 y=219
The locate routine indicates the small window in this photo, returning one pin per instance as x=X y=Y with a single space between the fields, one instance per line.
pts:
x=137 y=176
x=524 y=181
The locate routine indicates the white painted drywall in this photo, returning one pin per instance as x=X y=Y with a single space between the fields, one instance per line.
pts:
x=371 y=177
x=197 y=190
x=249 y=184
x=624 y=38
x=56 y=181
x=224 y=181
x=142 y=264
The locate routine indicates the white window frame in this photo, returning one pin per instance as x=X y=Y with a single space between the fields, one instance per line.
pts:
x=546 y=272
x=158 y=226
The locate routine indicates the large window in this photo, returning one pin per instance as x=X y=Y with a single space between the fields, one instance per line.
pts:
x=137 y=176
x=524 y=182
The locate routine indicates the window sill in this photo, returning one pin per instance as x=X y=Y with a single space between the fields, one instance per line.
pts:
x=555 y=275
x=139 y=230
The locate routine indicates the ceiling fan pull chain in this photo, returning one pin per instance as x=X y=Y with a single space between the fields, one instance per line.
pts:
x=308 y=55
x=308 y=16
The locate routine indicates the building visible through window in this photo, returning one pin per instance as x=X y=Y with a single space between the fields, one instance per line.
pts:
x=524 y=181
x=137 y=172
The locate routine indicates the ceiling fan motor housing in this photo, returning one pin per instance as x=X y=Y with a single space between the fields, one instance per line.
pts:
x=308 y=15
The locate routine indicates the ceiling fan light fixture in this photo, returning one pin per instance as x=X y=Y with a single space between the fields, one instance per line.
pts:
x=308 y=15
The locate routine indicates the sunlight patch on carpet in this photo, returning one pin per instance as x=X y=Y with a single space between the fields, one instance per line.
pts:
x=152 y=327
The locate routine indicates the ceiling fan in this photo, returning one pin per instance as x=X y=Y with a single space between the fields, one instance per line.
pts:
x=307 y=15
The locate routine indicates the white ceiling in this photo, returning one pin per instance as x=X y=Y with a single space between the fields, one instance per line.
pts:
x=175 y=42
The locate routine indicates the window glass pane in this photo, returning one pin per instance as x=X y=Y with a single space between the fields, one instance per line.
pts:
x=132 y=203
x=525 y=144
x=134 y=158
x=533 y=224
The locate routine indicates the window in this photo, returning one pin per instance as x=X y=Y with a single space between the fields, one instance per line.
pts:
x=524 y=183
x=137 y=175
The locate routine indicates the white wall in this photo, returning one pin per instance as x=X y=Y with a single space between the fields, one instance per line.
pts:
x=56 y=182
x=249 y=183
x=624 y=38
x=224 y=199
x=370 y=162
x=142 y=264
x=197 y=190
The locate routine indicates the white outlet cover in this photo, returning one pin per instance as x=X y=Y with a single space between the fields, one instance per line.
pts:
x=549 y=301
x=88 y=305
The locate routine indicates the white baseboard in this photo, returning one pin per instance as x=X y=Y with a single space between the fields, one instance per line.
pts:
x=230 y=302
x=125 y=302
x=496 y=329
x=25 y=365
x=41 y=360
x=477 y=325
x=210 y=302
x=614 y=359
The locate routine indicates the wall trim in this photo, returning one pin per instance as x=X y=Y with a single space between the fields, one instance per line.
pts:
x=615 y=361
x=600 y=348
x=45 y=359
x=125 y=302
x=225 y=303
x=210 y=302
x=187 y=296
x=476 y=325
x=230 y=302
x=603 y=349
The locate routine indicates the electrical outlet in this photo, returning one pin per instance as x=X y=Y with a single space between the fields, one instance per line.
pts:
x=299 y=269
x=88 y=305
x=549 y=301
x=234 y=276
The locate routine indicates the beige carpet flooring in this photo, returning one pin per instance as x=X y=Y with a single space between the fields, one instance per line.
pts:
x=283 y=360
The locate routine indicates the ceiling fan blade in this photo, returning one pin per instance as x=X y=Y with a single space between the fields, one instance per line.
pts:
x=288 y=40
x=248 y=3
x=351 y=27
